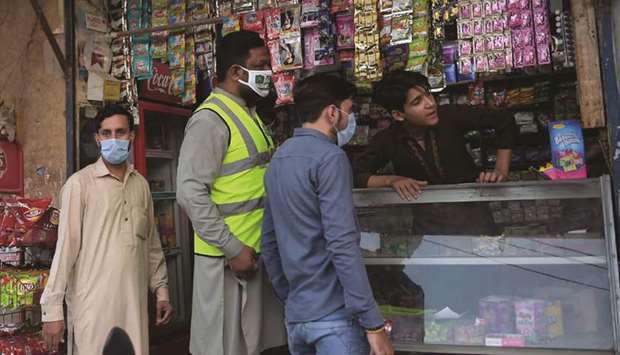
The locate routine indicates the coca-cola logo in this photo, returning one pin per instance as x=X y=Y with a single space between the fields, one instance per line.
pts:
x=160 y=82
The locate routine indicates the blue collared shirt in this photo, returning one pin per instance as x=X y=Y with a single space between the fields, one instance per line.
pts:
x=310 y=240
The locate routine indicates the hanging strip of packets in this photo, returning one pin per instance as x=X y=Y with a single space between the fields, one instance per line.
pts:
x=368 y=65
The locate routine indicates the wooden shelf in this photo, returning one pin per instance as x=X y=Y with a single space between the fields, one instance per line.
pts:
x=569 y=73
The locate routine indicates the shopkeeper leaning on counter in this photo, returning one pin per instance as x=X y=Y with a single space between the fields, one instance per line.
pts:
x=426 y=143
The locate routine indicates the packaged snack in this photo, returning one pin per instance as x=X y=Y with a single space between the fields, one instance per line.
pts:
x=530 y=319
x=159 y=45
x=479 y=44
x=487 y=8
x=481 y=62
x=272 y=23
x=555 y=320
x=290 y=22
x=176 y=51
x=536 y=4
x=274 y=51
x=254 y=21
x=478 y=25
x=340 y=5
x=449 y=52
x=178 y=82
x=465 y=48
x=489 y=43
x=310 y=38
x=465 y=11
x=402 y=6
x=466 y=69
x=498 y=42
x=567 y=149
x=243 y=6
x=290 y=53
x=529 y=56
x=540 y=18
x=488 y=25
x=309 y=13
x=476 y=9
x=465 y=29
x=543 y=55
x=284 y=83
x=401 y=29
x=385 y=31
x=498 y=313
x=230 y=24
x=420 y=26
x=498 y=25
x=420 y=7
x=346 y=32
x=385 y=5
x=417 y=63
x=449 y=71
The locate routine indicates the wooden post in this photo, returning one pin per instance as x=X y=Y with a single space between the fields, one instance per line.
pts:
x=588 y=64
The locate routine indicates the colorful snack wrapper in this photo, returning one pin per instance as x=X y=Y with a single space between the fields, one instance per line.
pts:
x=568 y=149
x=284 y=83
x=346 y=32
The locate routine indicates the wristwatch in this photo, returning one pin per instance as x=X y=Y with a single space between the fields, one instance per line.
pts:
x=386 y=327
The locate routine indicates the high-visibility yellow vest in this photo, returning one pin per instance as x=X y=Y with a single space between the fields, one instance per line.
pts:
x=239 y=191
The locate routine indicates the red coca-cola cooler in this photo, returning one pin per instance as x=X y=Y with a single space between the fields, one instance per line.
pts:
x=159 y=135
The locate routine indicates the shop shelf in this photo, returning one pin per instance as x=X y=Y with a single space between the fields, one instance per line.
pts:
x=160 y=154
x=484 y=260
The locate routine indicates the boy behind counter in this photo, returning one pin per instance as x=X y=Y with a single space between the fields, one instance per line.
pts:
x=426 y=143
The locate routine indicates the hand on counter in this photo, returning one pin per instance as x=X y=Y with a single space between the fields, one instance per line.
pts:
x=491 y=177
x=407 y=189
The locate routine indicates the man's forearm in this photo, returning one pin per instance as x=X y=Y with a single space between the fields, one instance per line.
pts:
x=502 y=164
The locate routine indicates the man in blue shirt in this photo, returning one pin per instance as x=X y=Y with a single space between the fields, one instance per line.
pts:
x=310 y=241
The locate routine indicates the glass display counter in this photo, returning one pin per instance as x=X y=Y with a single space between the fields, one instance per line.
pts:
x=508 y=268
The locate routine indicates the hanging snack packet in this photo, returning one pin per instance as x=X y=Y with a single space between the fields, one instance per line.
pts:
x=386 y=6
x=254 y=21
x=466 y=69
x=309 y=13
x=176 y=13
x=159 y=45
x=274 y=51
x=420 y=26
x=230 y=24
x=290 y=22
x=272 y=23
x=176 y=51
x=284 y=83
x=402 y=6
x=401 y=29
x=385 y=31
x=346 y=32
x=420 y=7
x=286 y=3
x=141 y=67
x=243 y=6
x=290 y=53
x=310 y=38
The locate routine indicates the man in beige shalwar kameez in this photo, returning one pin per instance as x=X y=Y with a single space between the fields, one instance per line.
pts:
x=108 y=252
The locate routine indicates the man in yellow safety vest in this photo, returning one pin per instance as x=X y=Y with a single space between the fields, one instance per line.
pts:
x=222 y=162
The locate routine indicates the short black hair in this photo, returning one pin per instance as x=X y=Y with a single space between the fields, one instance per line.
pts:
x=235 y=48
x=391 y=92
x=111 y=110
x=316 y=92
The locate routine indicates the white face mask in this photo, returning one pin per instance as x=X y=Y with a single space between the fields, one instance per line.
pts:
x=348 y=132
x=259 y=81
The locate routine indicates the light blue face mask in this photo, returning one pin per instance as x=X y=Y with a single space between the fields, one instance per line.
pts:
x=348 y=132
x=115 y=151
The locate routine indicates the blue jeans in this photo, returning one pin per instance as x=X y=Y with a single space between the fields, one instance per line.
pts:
x=335 y=334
